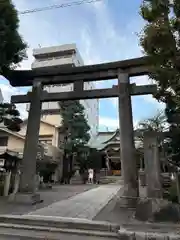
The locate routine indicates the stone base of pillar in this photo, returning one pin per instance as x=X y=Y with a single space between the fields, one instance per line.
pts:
x=156 y=209
x=127 y=202
x=128 y=198
x=25 y=198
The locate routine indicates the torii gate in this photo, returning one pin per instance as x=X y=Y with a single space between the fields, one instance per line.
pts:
x=78 y=75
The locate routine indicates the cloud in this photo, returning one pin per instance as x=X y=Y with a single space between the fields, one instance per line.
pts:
x=93 y=27
x=89 y=55
x=8 y=91
x=142 y=80
x=111 y=123
x=107 y=122
x=106 y=29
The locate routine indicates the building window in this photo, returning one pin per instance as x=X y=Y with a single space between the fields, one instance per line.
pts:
x=44 y=59
x=59 y=85
x=46 y=141
x=3 y=141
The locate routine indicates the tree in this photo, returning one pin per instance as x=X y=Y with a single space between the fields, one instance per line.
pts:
x=160 y=40
x=75 y=124
x=12 y=52
x=12 y=46
x=9 y=116
x=94 y=159
x=155 y=123
x=76 y=131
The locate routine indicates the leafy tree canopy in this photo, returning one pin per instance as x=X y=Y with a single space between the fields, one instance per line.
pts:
x=12 y=46
x=75 y=125
x=12 y=52
x=155 y=123
x=9 y=116
x=160 y=40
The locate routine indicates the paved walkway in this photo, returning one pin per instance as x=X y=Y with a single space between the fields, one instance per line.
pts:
x=50 y=196
x=85 y=205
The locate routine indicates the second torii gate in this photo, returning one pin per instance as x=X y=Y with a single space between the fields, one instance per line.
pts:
x=122 y=70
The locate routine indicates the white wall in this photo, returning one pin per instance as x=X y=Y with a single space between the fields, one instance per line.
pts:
x=91 y=110
x=56 y=88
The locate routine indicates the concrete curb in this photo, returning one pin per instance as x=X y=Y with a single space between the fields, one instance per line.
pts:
x=152 y=227
x=19 y=229
x=131 y=235
x=59 y=222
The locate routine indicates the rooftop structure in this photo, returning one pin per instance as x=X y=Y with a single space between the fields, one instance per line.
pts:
x=52 y=57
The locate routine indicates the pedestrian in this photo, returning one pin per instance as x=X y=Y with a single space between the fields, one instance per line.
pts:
x=90 y=175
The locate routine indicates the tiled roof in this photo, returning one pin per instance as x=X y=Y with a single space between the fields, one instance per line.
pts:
x=42 y=120
x=104 y=138
x=101 y=140
x=11 y=132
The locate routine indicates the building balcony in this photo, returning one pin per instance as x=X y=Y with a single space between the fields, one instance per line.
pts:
x=61 y=49
x=53 y=63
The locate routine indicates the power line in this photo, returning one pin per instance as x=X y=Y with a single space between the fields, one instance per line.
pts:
x=56 y=6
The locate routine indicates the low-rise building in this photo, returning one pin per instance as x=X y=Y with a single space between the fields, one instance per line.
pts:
x=49 y=151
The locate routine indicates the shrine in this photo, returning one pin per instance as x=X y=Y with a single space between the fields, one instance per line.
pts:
x=108 y=144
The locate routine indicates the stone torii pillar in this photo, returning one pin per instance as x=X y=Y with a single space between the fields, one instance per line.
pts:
x=152 y=165
x=127 y=147
x=28 y=170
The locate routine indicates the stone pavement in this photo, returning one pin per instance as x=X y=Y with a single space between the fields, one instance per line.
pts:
x=57 y=193
x=115 y=214
x=85 y=205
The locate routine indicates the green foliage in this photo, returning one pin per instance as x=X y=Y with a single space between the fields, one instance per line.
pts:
x=160 y=40
x=159 y=43
x=94 y=159
x=75 y=125
x=12 y=46
x=9 y=115
x=154 y=123
x=89 y=158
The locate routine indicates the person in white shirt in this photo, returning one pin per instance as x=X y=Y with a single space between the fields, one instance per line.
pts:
x=90 y=175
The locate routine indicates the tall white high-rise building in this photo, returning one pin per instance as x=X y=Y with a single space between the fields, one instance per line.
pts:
x=64 y=55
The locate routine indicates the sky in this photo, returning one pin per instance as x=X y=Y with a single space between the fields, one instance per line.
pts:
x=103 y=31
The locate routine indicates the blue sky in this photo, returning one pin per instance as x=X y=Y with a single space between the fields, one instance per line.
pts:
x=103 y=31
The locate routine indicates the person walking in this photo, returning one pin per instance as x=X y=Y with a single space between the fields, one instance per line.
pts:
x=90 y=175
